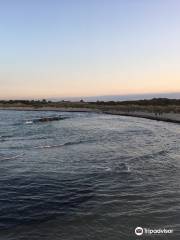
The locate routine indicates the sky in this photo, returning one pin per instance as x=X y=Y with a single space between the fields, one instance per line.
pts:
x=75 y=48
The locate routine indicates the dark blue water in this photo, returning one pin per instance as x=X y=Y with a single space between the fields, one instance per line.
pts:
x=89 y=176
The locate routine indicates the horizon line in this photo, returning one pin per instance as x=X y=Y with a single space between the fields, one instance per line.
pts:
x=131 y=95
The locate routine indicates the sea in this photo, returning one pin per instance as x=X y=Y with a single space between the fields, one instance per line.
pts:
x=89 y=176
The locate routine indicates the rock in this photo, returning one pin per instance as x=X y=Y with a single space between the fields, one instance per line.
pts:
x=48 y=119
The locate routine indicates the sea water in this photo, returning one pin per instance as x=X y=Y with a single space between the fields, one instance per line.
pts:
x=89 y=176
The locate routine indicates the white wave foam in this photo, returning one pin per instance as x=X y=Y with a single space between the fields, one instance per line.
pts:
x=28 y=122
x=49 y=146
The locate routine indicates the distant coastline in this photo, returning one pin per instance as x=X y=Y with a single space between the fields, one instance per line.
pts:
x=60 y=109
x=161 y=109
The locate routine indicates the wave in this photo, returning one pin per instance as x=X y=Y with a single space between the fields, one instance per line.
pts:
x=3 y=158
x=122 y=167
x=6 y=136
x=117 y=168
x=150 y=155
x=61 y=145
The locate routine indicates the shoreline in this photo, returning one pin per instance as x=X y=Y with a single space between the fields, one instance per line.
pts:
x=164 y=117
x=53 y=109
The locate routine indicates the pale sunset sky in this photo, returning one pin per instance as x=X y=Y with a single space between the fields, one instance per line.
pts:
x=72 y=48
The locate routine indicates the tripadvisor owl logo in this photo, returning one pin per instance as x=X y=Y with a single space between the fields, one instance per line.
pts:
x=139 y=231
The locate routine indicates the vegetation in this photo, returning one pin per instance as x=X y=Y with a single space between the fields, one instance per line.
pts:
x=157 y=105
